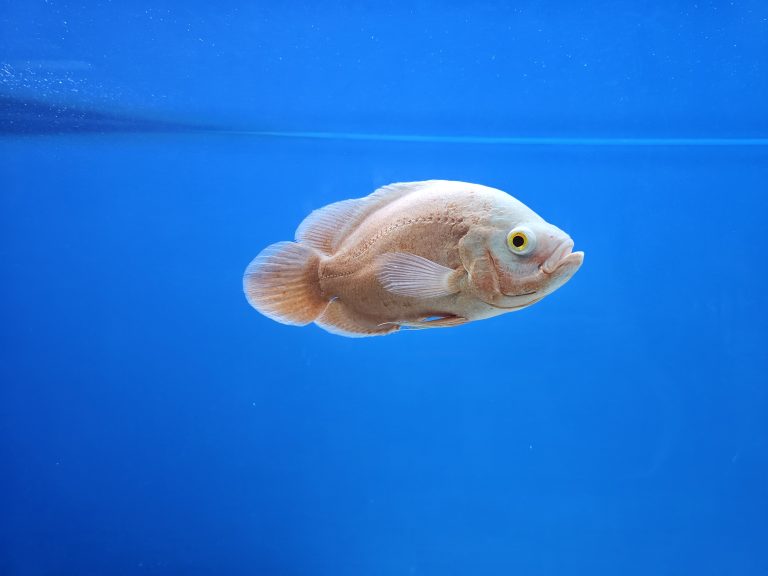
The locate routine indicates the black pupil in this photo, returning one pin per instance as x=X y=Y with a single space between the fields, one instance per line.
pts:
x=518 y=241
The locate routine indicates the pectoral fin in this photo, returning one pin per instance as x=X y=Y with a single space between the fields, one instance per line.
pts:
x=411 y=275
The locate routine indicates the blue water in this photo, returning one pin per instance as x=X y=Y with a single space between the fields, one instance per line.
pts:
x=151 y=422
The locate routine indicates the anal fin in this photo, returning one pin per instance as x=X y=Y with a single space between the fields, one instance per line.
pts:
x=339 y=319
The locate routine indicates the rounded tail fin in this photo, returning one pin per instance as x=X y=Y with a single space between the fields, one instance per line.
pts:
x=283 y=283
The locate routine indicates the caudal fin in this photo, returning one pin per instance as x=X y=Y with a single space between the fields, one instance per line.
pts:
x=283 y=283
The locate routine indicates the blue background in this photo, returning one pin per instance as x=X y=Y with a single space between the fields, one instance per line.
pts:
x=152 y=423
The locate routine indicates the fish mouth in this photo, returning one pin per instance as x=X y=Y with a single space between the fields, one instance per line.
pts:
x=558 y=268
x=561 y=265
x=562 y=262
x=558 y=256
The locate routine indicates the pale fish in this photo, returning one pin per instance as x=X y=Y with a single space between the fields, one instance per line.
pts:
x=412 y=255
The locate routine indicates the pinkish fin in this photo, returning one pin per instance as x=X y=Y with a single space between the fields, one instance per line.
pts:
x=282 y=283
x=322 y=227
x=338 y=319
x=411 y=275
x=436 y=322
x=326 y=228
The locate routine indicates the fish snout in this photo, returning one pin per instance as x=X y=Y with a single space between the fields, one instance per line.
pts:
x=562 y=271
x=568 y=266
x=562 y=256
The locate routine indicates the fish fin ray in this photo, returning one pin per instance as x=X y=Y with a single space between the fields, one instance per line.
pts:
x=339 y=319
x=326 y=227
x=283 y=283
x=323 y=227
x=415 y=276
x=444 y=322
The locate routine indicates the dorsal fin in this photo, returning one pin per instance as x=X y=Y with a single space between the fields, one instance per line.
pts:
x=325 y=228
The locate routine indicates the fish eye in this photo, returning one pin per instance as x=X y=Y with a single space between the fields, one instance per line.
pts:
x=521 y=240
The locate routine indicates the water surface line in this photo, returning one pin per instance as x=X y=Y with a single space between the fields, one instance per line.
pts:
x=519 y=140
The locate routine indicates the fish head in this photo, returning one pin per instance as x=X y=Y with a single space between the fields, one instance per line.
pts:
x=529 y=259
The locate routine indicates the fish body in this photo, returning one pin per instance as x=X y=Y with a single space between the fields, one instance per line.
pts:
x=412 y=255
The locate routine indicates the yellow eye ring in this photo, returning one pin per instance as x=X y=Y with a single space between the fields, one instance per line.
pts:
x=521 y=241
x=518 y=241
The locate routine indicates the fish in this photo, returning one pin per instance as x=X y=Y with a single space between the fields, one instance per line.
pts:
x=411 y=255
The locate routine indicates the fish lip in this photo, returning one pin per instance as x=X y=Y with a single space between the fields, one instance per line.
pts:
x=557 y=257
x=561 y=272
